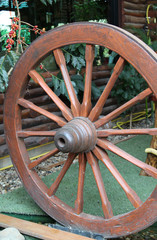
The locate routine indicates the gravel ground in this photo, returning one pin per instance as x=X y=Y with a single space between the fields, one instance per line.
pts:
x=9 y=180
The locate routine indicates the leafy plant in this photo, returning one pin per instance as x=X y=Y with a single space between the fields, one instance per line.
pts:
x=74 y=55
x=77 y=81
x=130 y=84
x=59 y=87
x=154 y=46
x=89 y=10
x=130 y=81
x=7 y=63
x=3 y=38
x=145 y=38
x=25 y=34
x=47 y=1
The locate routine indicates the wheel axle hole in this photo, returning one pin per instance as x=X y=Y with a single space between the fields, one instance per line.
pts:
x=61 y=142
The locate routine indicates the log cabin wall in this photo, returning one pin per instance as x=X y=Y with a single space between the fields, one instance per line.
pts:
x=133 y=16
x=152 y=15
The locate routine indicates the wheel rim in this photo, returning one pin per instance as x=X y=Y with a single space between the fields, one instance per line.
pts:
x=110 y=226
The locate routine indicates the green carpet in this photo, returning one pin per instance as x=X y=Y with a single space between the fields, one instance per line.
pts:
x=18 y=202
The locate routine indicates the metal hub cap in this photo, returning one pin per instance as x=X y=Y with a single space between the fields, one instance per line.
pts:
x=78 y=135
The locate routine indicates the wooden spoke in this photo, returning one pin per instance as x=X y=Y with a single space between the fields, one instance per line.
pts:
x=96 y=111
x=27 y=104
x=130 y=193
x=62 y=173
x=142 y=131
x=106 y=206
x=81 y=177
x=43 y=158
x=86 y=104
x=64 y=109
x=75 y=105
x=111 y=147
x=24 y=134
x=122 y=108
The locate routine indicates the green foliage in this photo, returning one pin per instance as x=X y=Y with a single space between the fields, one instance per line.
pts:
x=47 y=1
x=77 y=81
x=7 y=63
x=3 y=38
x=145 y=38
x=141 y=34
x=154 y=7
x=25 y=34
x=130 y=82
x=89 y=10
x=75 y=59
x=154 y=46
x=59 y=87
x=75 y=55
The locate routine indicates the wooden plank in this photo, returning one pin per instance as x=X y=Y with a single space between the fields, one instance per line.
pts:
x=134 y=6
x=1 y=98
x=132 y=19
x=136 y=1
x=133 y=25
x=136 y=13
x=38 y=230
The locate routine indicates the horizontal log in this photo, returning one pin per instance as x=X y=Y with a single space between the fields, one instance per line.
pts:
x=152 y=26
x=136 y=1
x=34 y=92
x=73 y=71
x=152 y=34
x=153 y=37
x=101 y=67
x=35 y=141
x=43 y=127
x=136 y=13
x=152 y=14
x=108 y=109
x=140 y=107
x=134 y=6
x=1 y=128
x=101 y=82
x=133 y=25
x=1 y=118
x=101 y=74
x=29 y=122
x=33 y=84
x=40 y=100
x=110 y=101
x=28 y=113
x=1 y=109
x=2 y=139
x=49 y=75
x=132 y=19
x=151 y=2
x=30 y=142
x=4 y=150
x=1 y=98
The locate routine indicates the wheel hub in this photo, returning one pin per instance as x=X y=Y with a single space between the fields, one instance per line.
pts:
x=78 y=135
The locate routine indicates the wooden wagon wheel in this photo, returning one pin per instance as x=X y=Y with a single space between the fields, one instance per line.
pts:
x=79 y=130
